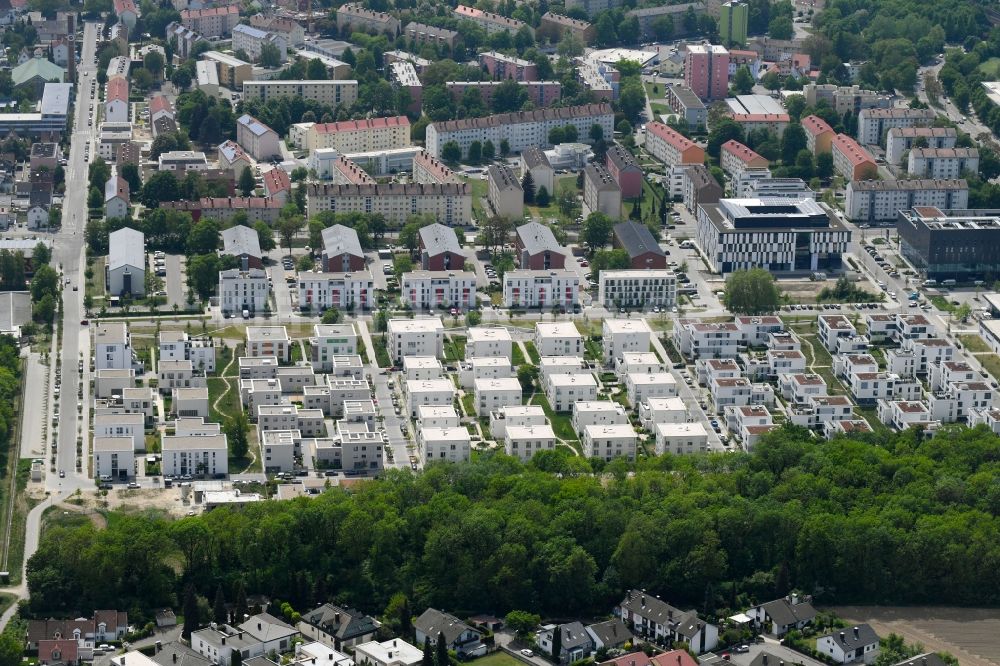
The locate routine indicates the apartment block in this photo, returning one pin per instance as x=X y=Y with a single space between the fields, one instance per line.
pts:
x=671 y=147
x=415 y=337
x=873 y=124
x=451 y=203
x=424 y=290
x=609 y=441
x=879 y=201
x=344 y=291
x=332 y=92
x=558 y=339
x=543 y=289
x=637 y=288
x=706 y=71
x=898 y=140
x=942 y=163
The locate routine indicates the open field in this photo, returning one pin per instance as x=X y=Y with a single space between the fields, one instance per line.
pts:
x=970 y=634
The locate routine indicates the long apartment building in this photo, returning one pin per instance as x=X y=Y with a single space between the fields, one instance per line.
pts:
x=557 y=24
x=942 y=162
x=521 y=129
x=332 y=93
x=541 y=289
x=343 y=291
x=424 y=290
x=637 y=288
x=502 y=66
x=429 y=34
x=671 y=147
x=356 y=17
x=898 y=140
x=488 y=21
x=450 y=203
x=212 y=21
x=403 y=75
x=682 y=101
x=876 y=201
x=540 y=93
x=874 y=123
x=360 y=136
x=429 y=169
x=851 y=160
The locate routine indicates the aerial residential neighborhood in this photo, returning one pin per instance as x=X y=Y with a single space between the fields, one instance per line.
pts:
x=569 y=333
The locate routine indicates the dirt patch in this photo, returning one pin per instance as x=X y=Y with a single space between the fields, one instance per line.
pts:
x=970 y=634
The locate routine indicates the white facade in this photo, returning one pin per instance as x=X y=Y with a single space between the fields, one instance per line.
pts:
x=428 y=392
x=114 y=458
x=437 y=416
x=942 y=162
x=485 y=341
x=416 y=337
x=200 y=454
x=881 y=200
x=597 y=412
x=609 y=441
x=565 y=390
x=395 y=652
x=624 y=335
x=344 y=291
x=450 y=444
x=637 y=288
x=268 y=341
x=491 y=394
x=681 y=438
x=642 y=386
x=558 y=339
x=330 y=340
x=424 y=290
x=243 y=290
x=113 y=347
x=132 y=426
x=525 y=441
x=662 y=410
x=515 y=415
x=422 y=367
x=707 y=340
x=541 y=289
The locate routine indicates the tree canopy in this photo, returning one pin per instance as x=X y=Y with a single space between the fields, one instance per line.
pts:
x=751 y=292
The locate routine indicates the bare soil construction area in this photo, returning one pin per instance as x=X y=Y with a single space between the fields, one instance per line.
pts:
x=971 y=634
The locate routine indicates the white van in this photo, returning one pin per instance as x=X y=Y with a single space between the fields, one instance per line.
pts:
x=686 y=245
x=930 y=283
x=949 y=283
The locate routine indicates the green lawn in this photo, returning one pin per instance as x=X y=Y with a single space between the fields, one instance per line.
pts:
x=230 y=402
x=991 y=364
x=990 y=68
x=498 y=658
x=974 y=344
x=381 y=353
x=469 y=404
x=516 y=355
x=562 y=424
x=942 y=303
x=454 y=349
x=532 y=352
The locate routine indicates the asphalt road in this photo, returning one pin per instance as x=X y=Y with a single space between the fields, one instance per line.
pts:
x=174 y=282
x=394 y=437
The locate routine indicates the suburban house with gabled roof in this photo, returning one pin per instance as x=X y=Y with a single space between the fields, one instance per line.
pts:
x=338 y=627
x=652 y=618
x=458 y=636
x=638 y=241
x=859 y=643
x=575 y=642
x=785 y=614
x=669 y=658
x=609 y=634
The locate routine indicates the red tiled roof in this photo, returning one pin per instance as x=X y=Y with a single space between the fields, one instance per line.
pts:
x=815 y=125
x=208 y=11
x=852 y=150
x=159 y=103
x=741 y=152
x=670 y=135
x=237 y=203
x=117 y=89
x=276 y=180
x=354 y=125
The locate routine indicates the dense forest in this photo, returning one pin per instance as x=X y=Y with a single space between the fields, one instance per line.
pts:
x=895 y=519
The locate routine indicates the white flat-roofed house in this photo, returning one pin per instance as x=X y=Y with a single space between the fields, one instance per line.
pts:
x=558 y=339
x=755 y=330
x=832 y=327
x=515 y=415
x=681 y=438
x=112 y=381
x=449 y=443
x=256 y=392
x=957 y=399
x=491 y=394
x=194 y=455
x=179 y=374
x=844 y=365
x=437 y=416
x=114 y=458
x=797 y=388
x=563 y=390
x=113 y=347
x=243 y=290
x=330 y=340
x=488 y=341
x=696 y=339
x=428 y=392
x=642 y=362
x=258 y=367
x=277 y=448
x=177 y=345
x=493 y=367
x=191 y=401
x=561 y=365
x=525 y=441
x=609 y=441
x=269 y=341
x=784 y=362
x=730 y=391
x=869 y=387
x=360 y=411
x=132 y=426
x=641 y=385
x=422 y=368
x=662 y=410
x=597 y=412
x=625 y=335
x=929 y=352
x=818 y=410
x=415 y=337
x=394 y=652
x=948 y=372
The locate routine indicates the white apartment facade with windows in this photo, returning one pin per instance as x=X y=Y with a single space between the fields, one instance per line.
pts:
x=541 y=289
x=558 y=339
x=637 y=288
x=415 y=337
x=344 y=291
x=243 y=290
x=609 y=441
x=424 y=290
